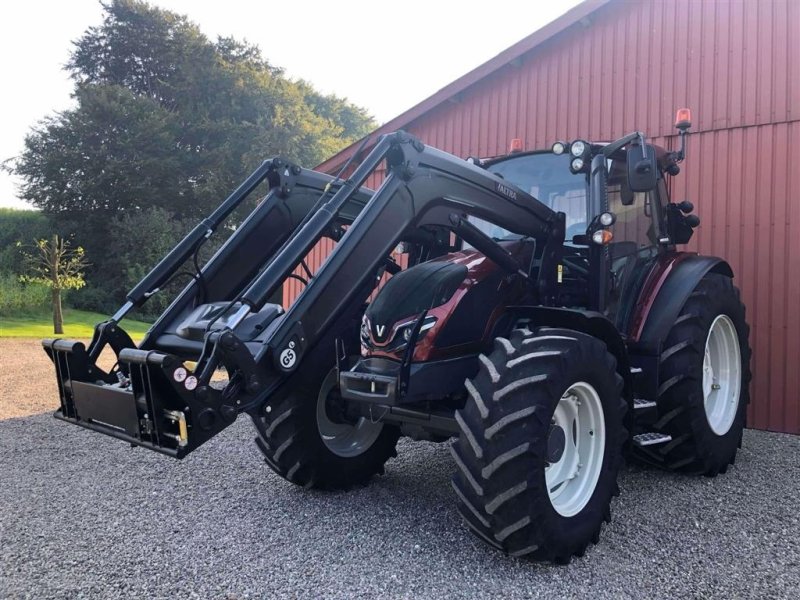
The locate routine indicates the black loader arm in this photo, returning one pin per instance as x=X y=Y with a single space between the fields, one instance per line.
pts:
x=294 y=196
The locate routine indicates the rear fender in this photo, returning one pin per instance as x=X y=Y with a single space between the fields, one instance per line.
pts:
x=661 y=304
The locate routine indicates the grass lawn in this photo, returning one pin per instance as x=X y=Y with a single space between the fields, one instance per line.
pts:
x=77 y=324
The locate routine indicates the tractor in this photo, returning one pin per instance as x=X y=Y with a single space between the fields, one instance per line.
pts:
x=532 y=310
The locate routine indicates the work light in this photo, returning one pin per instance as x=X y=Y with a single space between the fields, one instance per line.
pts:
x=577 y=148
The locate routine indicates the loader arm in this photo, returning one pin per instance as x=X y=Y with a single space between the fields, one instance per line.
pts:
x=293 y=197
x=424 y=187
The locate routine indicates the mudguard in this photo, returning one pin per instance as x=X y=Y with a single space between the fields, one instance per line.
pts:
x=667 y=300
x=586 y=321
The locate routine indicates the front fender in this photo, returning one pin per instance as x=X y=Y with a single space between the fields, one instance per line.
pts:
x=586 y=321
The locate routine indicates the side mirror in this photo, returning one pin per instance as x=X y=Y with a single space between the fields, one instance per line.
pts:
x=642 y=167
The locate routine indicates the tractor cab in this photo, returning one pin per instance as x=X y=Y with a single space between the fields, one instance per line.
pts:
x=616 y=225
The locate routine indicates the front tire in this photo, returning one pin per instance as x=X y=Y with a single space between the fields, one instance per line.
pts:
x=308 y=442
x=540 y=444
x=704 y=382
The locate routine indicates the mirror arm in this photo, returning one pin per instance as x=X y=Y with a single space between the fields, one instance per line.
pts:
x=611 y=148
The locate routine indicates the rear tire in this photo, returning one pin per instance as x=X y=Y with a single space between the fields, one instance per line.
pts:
x=306 y=444
x=709 y=336
x=514 y=422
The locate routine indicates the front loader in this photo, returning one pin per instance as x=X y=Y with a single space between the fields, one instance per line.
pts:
x=545 y=322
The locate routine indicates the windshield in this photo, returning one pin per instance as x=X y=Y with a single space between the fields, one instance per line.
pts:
x=546 y=177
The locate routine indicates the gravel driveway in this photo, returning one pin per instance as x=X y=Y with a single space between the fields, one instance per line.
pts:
x=82 y=515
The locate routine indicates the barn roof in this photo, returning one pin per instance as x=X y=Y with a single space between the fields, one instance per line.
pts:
x=451 y=91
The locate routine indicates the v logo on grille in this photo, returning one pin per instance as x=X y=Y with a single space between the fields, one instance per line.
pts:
x=379 y=329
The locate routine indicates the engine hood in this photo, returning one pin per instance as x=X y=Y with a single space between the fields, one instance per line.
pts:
x=463 y=288
x=412 y=291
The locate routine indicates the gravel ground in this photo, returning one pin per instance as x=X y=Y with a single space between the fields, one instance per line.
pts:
x=82 y=515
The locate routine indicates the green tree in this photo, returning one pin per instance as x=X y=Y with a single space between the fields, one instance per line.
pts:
x=156 y=233
x=18 y=227
x=165 y=117
x=56 y=265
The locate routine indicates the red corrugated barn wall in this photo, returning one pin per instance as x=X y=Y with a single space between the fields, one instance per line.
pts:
x=612 y=68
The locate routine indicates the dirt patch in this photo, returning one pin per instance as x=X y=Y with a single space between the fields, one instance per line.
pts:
x=27 y=378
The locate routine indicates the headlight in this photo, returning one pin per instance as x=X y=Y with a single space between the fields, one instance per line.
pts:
x=607 y=219
x=577 y=164
x=364 y=327
x=403 y=334
x=577 y=148
x=559 y=148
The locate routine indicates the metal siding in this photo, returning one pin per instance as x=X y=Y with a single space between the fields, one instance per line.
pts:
x=737 y=65
x=791 y=283
x=744 y=188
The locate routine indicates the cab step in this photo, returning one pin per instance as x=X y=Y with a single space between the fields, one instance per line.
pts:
x=651 y=439
x=641 y=403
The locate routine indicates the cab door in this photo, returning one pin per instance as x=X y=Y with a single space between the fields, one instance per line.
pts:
x=639 y=238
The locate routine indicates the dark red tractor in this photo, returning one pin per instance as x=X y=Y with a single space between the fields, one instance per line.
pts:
x=545 y=320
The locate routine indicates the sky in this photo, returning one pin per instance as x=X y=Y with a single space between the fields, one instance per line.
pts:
x=384 y=56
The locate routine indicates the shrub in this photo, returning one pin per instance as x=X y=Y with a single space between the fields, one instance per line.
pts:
x=137 y=242
x=19 y=228
x=17 y=298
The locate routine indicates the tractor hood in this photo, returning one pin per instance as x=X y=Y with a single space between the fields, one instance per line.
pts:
x=411 y=292
x=459 y=291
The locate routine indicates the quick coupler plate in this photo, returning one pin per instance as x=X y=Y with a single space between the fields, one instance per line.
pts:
x=152 y=399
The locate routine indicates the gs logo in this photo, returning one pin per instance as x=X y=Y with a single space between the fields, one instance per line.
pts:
x=287 y=358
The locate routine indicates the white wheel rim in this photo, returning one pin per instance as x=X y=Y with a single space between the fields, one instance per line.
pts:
x=343 y=439
x=571 y=480
x=722 y=375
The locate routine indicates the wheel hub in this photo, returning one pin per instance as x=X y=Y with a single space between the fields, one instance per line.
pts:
x=336 y=410
x=341 y=436
x=556 y=443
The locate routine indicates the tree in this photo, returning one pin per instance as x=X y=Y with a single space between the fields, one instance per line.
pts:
x=59 y=267
x=18 y=227
x=156 y=233
x=166 y=118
